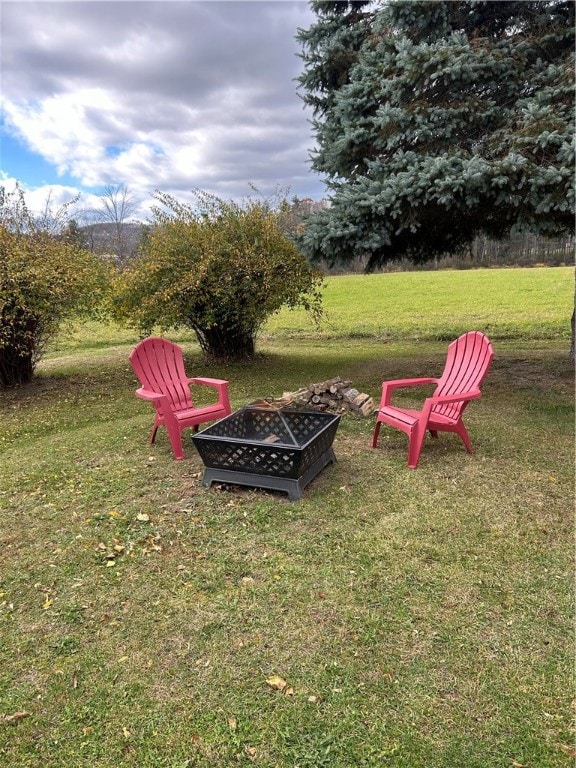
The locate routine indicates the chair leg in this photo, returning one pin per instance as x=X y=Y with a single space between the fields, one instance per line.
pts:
x=415 y=445
x=175 y=436
x=465 y=437
x=153 y=435
x=376 y=433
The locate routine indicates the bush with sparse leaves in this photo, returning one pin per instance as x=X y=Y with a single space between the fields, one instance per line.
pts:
x=45 y=278
x=216 y=267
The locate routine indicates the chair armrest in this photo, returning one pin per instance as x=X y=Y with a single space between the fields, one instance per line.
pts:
x=430 y=402
x=162 y=404
x=460 y=397
x=208 y=382
x=389 y=386
x=148 y=394
x=220 y=385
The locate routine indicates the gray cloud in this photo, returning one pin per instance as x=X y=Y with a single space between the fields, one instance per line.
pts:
x=170 y=95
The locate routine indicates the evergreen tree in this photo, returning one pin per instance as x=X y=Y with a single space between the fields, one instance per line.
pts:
x=438 y=121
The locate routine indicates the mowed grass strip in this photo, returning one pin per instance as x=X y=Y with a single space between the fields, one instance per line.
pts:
x=418 y=618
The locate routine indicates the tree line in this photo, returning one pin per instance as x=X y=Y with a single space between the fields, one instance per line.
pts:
x=520 y=250
x=121 y=240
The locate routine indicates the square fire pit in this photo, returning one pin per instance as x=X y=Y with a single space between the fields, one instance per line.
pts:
x=268 y=448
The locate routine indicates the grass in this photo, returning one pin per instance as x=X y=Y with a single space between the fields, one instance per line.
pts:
x=505 y=303
x=419 y=618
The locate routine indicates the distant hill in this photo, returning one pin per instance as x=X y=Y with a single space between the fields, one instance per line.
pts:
x=107 y=239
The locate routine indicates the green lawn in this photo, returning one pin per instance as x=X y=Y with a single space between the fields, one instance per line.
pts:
x=505 y=303
x=418 y=618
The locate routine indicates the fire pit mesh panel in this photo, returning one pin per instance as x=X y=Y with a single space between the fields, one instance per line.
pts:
x=267 y=442
x=256 y=459
x=305 y=425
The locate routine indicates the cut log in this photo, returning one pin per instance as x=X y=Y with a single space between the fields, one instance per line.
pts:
x=368 y=408
x=336 y=394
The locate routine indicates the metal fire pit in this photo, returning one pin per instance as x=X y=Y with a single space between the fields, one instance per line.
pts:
x=268 y=448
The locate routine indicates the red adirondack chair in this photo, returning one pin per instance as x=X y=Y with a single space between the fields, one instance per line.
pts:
x=159 y=366
x=467 y=364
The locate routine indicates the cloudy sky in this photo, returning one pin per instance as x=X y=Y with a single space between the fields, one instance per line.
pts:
x=169 y=95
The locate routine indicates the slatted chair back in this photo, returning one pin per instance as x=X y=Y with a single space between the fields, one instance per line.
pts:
x=467 y=363
x=159 y=366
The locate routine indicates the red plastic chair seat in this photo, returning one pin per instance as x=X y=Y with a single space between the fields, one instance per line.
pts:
x=409 y=417
x=199 y=415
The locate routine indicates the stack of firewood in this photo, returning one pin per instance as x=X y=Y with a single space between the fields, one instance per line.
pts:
x=336 y=395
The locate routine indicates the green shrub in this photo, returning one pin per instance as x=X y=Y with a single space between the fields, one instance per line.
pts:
x=44 y=279
x=218 y=268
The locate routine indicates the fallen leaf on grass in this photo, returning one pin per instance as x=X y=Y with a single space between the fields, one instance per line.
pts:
x=16 y=717
x=276 y=682
x=232 y=723
x=250 y=751
x=143 y=518
x=566 y=748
